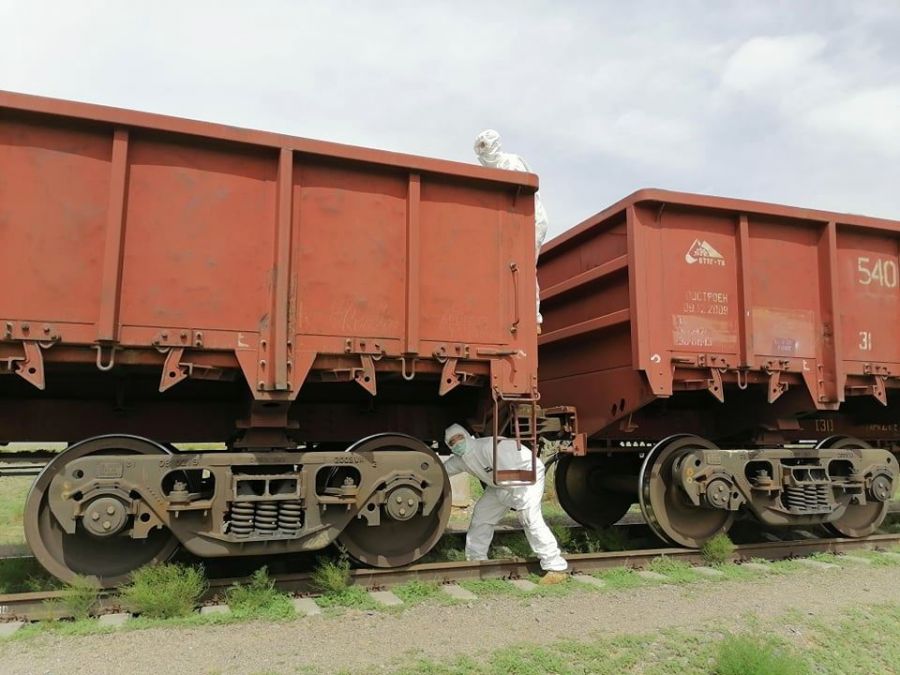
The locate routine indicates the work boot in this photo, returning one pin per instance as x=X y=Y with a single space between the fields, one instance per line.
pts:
x=551 y=578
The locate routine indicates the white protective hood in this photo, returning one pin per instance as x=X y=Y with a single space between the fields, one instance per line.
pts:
x=455 y=429
x=488 y=149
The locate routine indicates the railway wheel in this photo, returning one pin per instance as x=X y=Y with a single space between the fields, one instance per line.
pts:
x=586 y=489
x=107 y=560
x=666 y=508
x=405 y=534
x=859 y=520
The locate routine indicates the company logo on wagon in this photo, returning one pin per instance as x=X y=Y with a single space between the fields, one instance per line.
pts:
x=702 y=252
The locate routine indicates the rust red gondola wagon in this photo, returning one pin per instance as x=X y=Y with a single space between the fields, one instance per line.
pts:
x=325 y=310
x=725 y=356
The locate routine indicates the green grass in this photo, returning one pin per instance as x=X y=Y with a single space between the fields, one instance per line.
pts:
x=876 y=558
x=891 y=524
x=583 y=540
x=782 y=566
x=164 y=591
x=23 y=575
x=734 y=572
x=669 y=652
x=13 y=491
x=566 y=587
x=450 y=547
x=79 y=598
x=866 y=640
x=331 y=576
x=510 y=545
x=259 y=599
x=352 y=597
x=718 y=550
x=75 y=628
x=570 y=539
x=554 y=513
x=476 y=489
x=861 y=641
x=91 y=627
x=676 y=571
x=564 y=536
x=490 y=587
x=754 y=655
x=620 y=577
x=417 y=592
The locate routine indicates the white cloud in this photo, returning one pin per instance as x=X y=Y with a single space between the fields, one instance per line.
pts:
x=775 y=63
x=787 y=102
x=641 y=136
x=869 y=116
x=819 y=90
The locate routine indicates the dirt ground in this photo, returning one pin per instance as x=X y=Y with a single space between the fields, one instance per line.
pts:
x=367 y=641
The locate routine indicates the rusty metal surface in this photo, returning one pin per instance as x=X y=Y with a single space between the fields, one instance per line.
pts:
x=768 y=311
x=179 y=281
x=35 y=606
x=142 y=120
x=109 y=505
x=64 y=550
x=197 y=257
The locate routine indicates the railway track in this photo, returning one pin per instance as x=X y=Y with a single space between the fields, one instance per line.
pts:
x=629 y=521
x=26 y=607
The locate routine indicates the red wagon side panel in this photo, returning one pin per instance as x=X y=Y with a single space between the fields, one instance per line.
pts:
x=198 y=241
x=52 y=176
x=712 y=292
x=200 y=251
x=867 y=282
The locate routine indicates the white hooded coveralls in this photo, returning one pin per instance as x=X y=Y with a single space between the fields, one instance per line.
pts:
x=497 y=501
x=487 y=148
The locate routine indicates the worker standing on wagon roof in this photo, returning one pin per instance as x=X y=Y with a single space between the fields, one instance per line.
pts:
x=475 y=456
x=487 y=148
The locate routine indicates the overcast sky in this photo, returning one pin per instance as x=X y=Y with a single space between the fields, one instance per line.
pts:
x=792 y=102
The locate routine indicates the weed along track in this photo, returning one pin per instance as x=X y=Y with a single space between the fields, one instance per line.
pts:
x=309 y=592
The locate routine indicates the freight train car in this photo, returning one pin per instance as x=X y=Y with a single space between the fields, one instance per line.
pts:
x=323 y=310
x=725 y=356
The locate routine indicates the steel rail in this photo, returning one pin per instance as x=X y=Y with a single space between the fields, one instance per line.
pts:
x=47 y=605
x=628 y=521
x=21 y=469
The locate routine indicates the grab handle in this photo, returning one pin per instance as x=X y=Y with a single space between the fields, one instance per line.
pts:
x=514 y=268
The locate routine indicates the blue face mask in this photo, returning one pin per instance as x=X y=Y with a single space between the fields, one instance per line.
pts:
x=459 y=448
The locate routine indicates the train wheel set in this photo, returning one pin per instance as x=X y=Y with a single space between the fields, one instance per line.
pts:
x=112 y=504
x=109 y=505
x=689 y=490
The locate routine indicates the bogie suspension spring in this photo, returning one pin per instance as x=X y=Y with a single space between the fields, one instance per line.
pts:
x=266 y=519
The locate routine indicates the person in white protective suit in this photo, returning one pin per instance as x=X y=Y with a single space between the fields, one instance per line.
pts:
x=487 y=148
x=475 y=456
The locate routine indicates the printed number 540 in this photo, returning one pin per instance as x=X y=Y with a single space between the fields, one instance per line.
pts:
x=878 y=272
